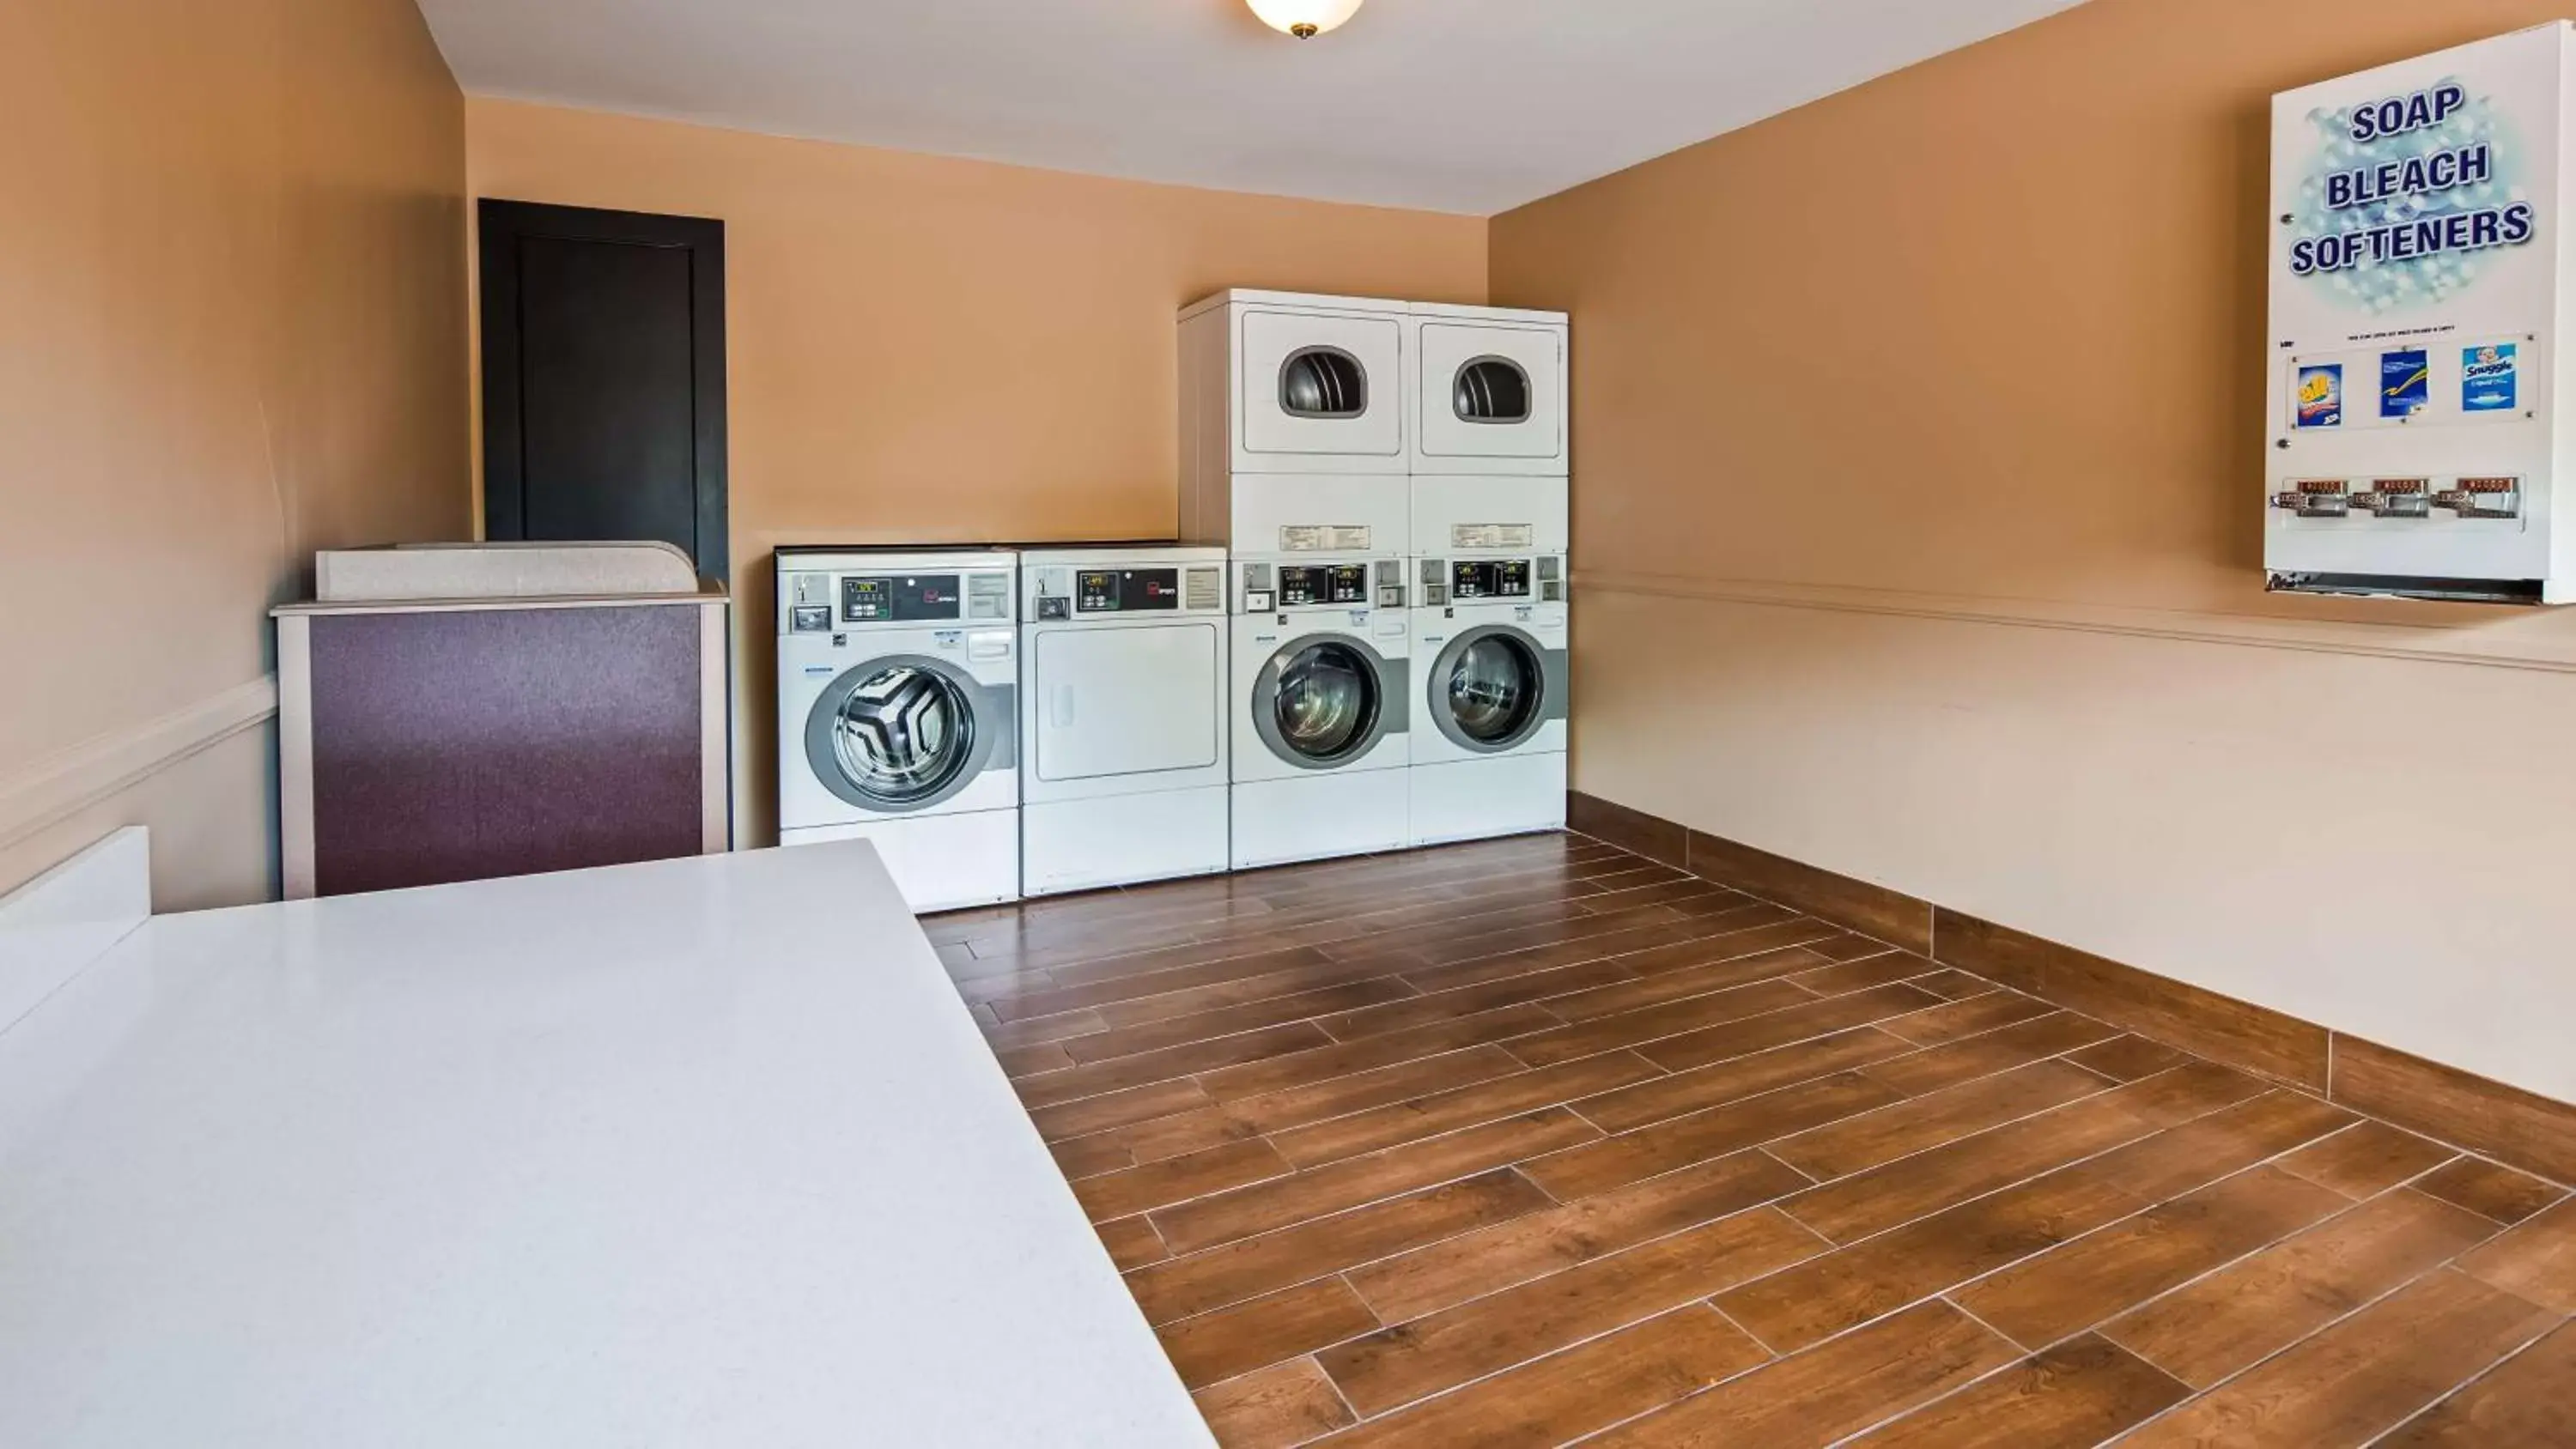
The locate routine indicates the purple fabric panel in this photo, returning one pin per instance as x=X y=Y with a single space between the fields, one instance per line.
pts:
x=459 y=746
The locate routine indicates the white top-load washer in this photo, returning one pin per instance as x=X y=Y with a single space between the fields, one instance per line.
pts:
x=1122 y=716
x=1490 y=637
x=1487 y=392
x=1322 y=692
x=898 y=714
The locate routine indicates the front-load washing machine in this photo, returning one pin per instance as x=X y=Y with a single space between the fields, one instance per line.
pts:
x=898 y=715
x=1122 y=716
x=1488 y=740
x=1488 y=391
x=1321 y=702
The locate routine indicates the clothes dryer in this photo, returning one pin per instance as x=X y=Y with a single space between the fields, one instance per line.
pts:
x=898 y=715
x=1286 y=382
x=1488 y=391
x=1123 y=711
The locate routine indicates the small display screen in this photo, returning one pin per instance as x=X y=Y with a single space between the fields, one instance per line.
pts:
x=1323 y=584
x=1507 y=578
x=1114 y=591
x=906 y=599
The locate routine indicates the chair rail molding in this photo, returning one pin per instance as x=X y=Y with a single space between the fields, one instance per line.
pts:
x=2517 y=641
x=61 y=785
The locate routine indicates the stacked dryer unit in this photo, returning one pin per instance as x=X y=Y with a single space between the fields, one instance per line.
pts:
x=1294 y=447
x=1490 y=502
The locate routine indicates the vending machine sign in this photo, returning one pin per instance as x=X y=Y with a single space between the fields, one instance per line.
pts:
x=2419 y=286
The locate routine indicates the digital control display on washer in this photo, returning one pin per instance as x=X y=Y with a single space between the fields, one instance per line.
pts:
x=1126 y=591
x=1323 y=584
x=1507 y=578
x=899 y=599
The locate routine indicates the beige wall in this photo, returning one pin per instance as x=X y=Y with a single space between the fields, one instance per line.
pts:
x=1918 y=454
x=933 y=350
x=234 y=334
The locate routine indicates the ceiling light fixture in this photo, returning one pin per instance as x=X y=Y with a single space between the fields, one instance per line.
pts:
x=1304 y=19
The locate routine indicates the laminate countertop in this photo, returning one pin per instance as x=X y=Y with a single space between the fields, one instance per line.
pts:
x=704 y=1152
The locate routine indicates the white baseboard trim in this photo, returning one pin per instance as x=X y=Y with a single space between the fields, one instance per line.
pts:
x=2519 y=639
x=62 y=785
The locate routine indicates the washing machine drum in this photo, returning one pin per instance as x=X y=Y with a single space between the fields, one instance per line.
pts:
x=1324 y=701
x=899 y=734
x=1492 y=687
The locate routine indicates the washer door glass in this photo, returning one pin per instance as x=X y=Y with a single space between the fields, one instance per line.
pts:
x=1493 y=689
x=904 y=735
x=1328 y=702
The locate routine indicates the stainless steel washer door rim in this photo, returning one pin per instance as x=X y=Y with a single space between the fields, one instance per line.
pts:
x=1324 y=700
x=1492 y=686
x=904 y=732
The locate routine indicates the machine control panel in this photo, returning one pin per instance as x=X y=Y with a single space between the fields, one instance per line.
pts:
x=901 y=598
x=1354 y=585
x=1301 y=585
x=1448 y=582
x=1501 y=578
x=2494 y=498
x=1126 y=591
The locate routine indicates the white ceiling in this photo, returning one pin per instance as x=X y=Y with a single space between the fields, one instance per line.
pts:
x=1470 y=106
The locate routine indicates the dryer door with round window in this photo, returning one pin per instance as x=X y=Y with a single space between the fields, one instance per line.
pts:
x=1491 y=688
x=902 y=734
x=1325 y=701
x=1490 y=393
x=1320 y=386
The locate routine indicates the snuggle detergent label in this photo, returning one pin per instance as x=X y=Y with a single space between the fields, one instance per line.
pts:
x=2490 y=379
x=2321 y=396
x=2405 y=382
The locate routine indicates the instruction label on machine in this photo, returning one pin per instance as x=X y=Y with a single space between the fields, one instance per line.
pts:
x=1491 y=535
x=1324 y=538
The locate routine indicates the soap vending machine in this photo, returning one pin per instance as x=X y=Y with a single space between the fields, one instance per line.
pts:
x=2418 y=288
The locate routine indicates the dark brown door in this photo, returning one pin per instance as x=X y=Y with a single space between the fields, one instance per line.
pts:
x=604 y=377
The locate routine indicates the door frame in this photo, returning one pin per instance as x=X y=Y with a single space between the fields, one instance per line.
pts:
x=499 y=224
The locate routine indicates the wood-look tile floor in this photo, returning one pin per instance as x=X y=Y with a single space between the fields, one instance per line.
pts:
x=1532 y=1142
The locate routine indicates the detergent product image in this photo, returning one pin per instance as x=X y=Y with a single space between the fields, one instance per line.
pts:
x=2405 y=382
x=2321 y=396
x=2488 y=382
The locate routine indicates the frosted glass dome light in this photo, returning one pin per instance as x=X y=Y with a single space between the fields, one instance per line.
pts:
x=1304 y=19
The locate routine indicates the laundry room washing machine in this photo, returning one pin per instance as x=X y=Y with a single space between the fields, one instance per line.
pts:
x=899 y=717
x=1321 y=697
x=1487 y=745
x=1285 y=382
x=1488 y=390
x=1489 y=643
x=1123 y=713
